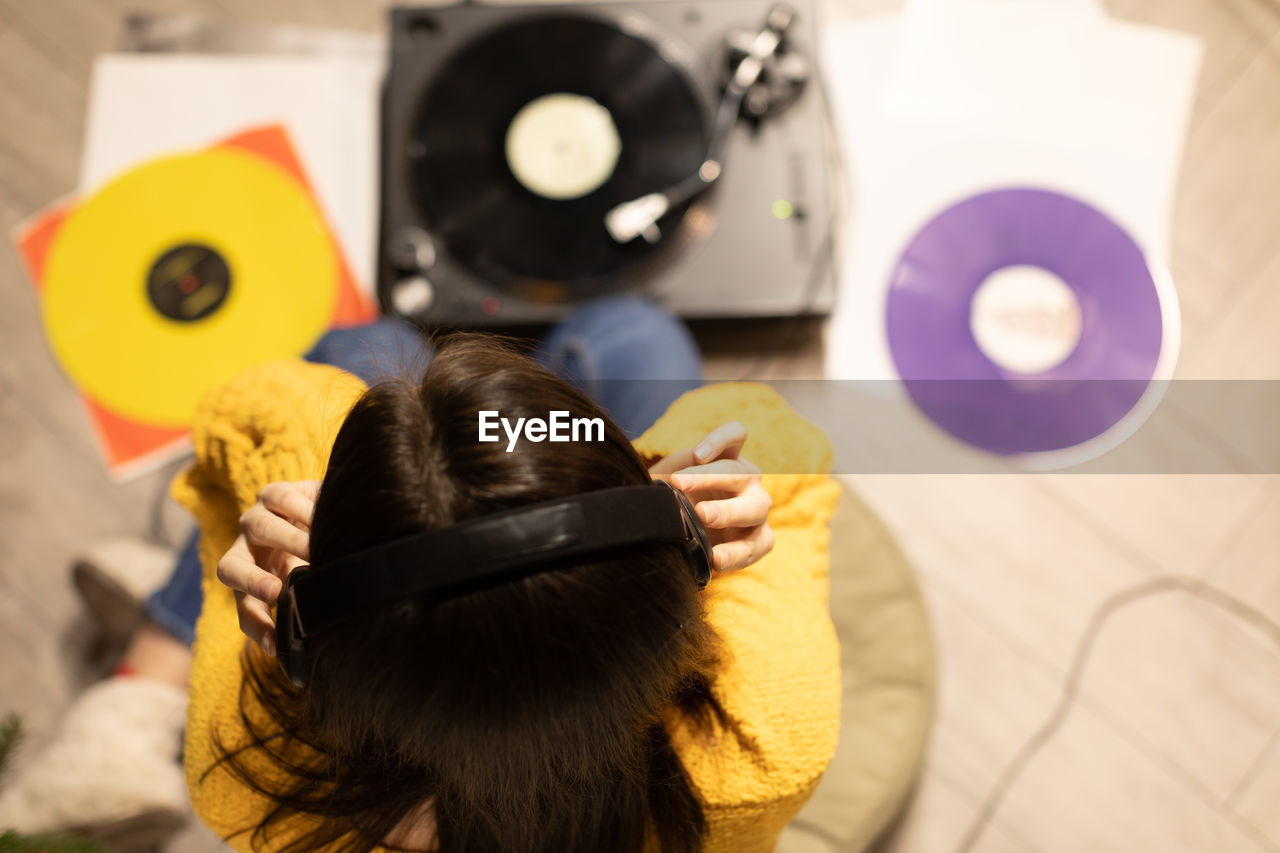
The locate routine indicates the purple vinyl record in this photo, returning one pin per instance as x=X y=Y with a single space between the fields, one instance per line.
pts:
x=954 y=382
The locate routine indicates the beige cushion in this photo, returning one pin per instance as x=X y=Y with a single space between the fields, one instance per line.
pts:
x=889 y=671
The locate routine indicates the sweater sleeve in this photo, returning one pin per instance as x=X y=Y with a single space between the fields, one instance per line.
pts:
x=779 y=681
x=274 y=422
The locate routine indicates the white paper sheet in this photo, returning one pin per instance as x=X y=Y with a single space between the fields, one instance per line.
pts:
x=953 y=98
x=145 y=105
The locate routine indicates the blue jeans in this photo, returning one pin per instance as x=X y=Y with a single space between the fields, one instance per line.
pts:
x=628 y=355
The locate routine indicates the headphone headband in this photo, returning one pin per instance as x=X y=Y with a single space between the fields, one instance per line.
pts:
x=503 y=546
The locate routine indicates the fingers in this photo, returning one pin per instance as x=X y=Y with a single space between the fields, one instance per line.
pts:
x=740 y=553
x=275 y=538
x=733 y=504
x=262 y=528
x=667 y=465
x=255 y=622
x=745 y=510
x=238 y=570
x=293 y=501
x=723 y=442
x=723 y=475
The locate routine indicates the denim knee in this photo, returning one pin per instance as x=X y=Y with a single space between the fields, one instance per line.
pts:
x=624 y=337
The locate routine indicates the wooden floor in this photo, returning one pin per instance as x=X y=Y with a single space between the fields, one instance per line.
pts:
x=1173 y=743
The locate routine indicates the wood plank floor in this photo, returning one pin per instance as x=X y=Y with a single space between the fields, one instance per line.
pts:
x=1174 y=741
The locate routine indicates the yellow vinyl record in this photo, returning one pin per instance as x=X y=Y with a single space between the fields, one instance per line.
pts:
x=183 y=272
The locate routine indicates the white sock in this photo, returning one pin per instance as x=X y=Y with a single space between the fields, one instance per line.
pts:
x=114 y=756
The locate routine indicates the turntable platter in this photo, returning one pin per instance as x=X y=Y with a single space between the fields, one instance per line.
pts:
x=532 y=131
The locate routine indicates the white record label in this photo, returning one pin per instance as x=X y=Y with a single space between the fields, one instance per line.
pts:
x=562 y=146
x=1025 y=319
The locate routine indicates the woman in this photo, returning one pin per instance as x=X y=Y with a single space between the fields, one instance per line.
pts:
x=525 y=715
x=601 y=704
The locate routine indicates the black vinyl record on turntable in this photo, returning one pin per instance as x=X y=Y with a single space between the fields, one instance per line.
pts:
x=537 y=156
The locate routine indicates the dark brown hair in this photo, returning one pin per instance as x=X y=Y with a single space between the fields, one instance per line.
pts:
x=529 y=712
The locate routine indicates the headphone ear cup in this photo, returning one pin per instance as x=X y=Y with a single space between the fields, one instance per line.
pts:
x=291 y=649
x=698 y=544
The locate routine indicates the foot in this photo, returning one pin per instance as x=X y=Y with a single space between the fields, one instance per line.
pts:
x=112 y=767
x=115 y=577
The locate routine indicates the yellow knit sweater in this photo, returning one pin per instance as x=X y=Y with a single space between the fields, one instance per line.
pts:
x=780 y=681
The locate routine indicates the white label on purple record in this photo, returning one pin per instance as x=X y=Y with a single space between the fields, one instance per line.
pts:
x=1025 y=319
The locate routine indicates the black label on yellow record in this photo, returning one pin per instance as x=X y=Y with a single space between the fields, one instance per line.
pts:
x=188 y=282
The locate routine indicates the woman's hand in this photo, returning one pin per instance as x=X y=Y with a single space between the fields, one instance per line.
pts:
x=275 y=537
x=727 y=495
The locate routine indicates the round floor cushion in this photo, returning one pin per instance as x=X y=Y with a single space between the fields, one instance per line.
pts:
x=888 y=663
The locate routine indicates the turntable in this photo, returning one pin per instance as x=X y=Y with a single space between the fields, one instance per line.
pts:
x=536 y=156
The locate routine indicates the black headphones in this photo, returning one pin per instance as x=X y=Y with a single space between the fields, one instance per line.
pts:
x=501 y=547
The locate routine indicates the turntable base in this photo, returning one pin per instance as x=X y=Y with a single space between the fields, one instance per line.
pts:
x=509 y=131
